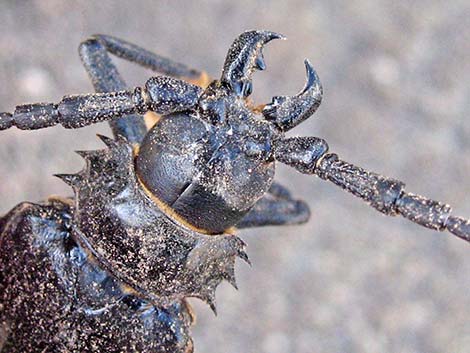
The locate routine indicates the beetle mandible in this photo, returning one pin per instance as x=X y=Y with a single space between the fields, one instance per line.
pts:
x=153 y=217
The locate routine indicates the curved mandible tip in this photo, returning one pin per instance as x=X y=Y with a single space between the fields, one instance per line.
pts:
x=286 y=112
x=244 y=56
x=313 y=81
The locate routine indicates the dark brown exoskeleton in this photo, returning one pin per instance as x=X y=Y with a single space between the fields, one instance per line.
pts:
x=153 y=217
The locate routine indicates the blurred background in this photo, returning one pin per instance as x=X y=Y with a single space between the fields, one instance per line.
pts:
x=396 y=79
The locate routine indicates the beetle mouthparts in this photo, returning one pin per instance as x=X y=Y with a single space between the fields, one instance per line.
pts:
x=244 y=56
x=286 y=112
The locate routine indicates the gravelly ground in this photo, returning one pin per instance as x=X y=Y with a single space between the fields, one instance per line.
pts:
x=396 y=78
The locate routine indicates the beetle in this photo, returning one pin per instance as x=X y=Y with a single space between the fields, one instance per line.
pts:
x=154 y=214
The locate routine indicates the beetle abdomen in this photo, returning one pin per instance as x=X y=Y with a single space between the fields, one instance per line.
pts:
x=56 y=298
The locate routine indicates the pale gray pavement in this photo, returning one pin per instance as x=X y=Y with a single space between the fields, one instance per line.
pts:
x=396 y=76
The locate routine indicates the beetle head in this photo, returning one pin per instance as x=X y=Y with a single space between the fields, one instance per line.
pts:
x=212 y=164
x=210 y=175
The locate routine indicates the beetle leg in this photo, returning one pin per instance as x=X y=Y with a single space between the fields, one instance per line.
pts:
x=105 y=77
x=287 y=112
x=277 y=207
x=117 y=107
x=309 y=155
x=139 y=56
x=147 y=59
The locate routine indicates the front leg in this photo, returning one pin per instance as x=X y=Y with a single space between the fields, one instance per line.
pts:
x=94 y=53
x=162 y=95
x=140 y=56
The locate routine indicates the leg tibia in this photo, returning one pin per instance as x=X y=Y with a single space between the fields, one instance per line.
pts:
x=145 y=58
x=105 y=78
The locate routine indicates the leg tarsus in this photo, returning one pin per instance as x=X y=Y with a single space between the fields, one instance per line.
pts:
x=280 y=191
x=277 y=207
